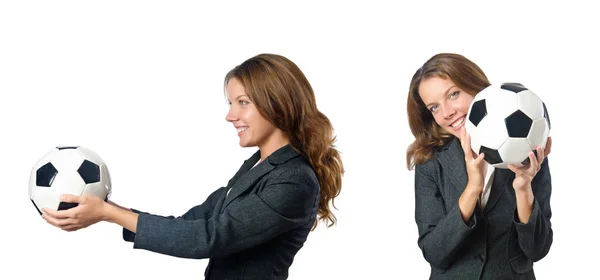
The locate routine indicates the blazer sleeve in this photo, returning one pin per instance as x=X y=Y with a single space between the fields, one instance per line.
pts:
x=285 y=202
x=442 y=231
x=202 y=211
x=536 y=236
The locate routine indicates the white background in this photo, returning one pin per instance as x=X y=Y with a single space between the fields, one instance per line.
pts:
x=141 y=83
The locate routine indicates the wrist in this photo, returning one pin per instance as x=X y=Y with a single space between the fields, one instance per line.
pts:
x=524 y=194
x=107 y=212
x=473 y=189
x=524 y=190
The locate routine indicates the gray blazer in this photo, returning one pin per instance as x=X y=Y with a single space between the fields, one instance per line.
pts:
x=493 y=244
x=253 y=232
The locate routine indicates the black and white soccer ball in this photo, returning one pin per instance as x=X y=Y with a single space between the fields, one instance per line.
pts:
x=507 y=121
x=68 y=170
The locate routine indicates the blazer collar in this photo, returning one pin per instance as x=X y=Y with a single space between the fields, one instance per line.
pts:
x=248 y=176
x=452 y=159
x=282 y=155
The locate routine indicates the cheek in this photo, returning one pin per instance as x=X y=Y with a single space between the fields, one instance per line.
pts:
x=265 y=127
x=466 y=103
x=246 y=116
x=438 y=119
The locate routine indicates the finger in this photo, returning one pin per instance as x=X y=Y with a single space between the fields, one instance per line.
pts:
x=71 y=227
x=48 y=212
x=533 y=162
x=466 y=145
x=58 y=214
x=58 y=222
x=461 y=133
x=49 y=219
x=540 y=157
x=74 y=227
x=461 y=138
x=513 y=168
x=548 y=147
x=70 y=198
x=479 y=158
x=52 y=220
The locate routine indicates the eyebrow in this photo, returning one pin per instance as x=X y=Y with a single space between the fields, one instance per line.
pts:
x=238 y=97
x=446 y=93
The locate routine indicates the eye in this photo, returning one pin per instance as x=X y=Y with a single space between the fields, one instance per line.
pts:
x=454 y=94
x=433 y=108
x=244 y=102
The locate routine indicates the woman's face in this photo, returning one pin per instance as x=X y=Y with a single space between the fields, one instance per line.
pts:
x=252 y=128
x=448 y=103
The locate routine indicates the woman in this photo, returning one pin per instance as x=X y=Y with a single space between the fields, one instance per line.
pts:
x=253 y=227
x=474 y=222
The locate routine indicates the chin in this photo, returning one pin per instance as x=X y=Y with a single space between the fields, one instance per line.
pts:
x=453 y=133
x=246 y=145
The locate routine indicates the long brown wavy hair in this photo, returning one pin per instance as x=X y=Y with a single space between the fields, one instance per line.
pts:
x=428 y=134
x=283 y=95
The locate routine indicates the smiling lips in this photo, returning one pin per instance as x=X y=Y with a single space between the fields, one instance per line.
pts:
x=458 y=123
x=241 y=129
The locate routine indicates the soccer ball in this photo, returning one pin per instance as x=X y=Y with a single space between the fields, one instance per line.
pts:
x=68 y=170
x=505 y=122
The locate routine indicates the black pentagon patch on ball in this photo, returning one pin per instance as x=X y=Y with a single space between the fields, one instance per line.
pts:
x=89 y=171
x=67 y=147
x=490 y=155
x=518 y=124
x=546 y=116
x=66 y=205
x=514 y=87
x=37 y=208
x=45 y=175
x=478 y=111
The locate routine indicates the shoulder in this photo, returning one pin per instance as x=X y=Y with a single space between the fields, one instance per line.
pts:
x=432 y=164
x=428 y=164
x=296 y=170
x=290 y=187
x=450 y=152
x=427 y=171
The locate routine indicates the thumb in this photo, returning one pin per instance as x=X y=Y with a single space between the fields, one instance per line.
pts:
x=513 y=168
x=69 y=198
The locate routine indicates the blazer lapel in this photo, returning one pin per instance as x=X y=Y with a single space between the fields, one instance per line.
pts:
x=249 y=163
x=452 y=160
x=248 y=176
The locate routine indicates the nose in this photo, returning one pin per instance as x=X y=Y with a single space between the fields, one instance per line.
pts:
x=231 y=115
x=448 y=112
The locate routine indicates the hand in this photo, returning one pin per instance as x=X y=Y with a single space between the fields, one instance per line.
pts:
x=474 y=163
x=88 y=212
x=525 y=174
